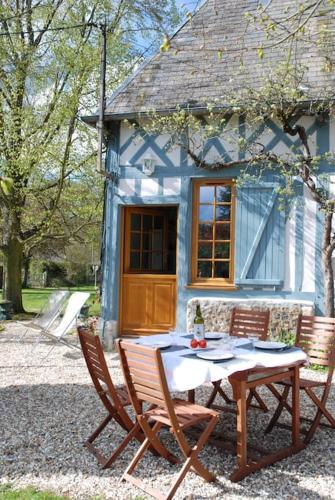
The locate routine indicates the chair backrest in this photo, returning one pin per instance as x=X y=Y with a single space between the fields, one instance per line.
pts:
x=51 y=308
x=97 y=366
x=246 y=322
x=75 y=303
x=316 y=336
x=145 y=378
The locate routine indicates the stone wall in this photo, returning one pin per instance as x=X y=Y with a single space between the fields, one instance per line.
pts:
x=216 y=312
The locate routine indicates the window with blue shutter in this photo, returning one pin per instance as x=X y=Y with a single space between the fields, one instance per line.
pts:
x=260 y=234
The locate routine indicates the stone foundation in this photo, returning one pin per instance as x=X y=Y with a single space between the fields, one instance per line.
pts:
x=216 y=312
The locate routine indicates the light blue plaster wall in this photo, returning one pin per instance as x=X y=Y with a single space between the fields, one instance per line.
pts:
x=186 y=172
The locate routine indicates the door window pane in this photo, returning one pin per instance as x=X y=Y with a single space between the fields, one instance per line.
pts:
x=158 y=222
x=135 y=224
x=135 y=241
x=145 y=260
x=147 y=222
x=157 y=240
x=157 y=261
x=135 y=260
x=146 y=241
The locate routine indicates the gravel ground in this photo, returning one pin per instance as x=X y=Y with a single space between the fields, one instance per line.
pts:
x=48 y=407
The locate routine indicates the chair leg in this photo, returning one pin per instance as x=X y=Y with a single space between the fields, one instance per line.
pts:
x=191 y=455
x=261 y=405
x=279 y=409
x=321 y=411
x=132 y=434
x=99 y=430
x=217 y=389
x=150 y=441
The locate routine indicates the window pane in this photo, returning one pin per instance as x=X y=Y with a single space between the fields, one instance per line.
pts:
x=134 y=260
x=205 y=212
x=157 y=240
x=206 y=194
x=147 y=222
x=157 y=261
x=222 y=250
x=205 y=251
x=204 y=269
x=135 y=241
x=135 y=222
x=205 y=231
x=222 y=231
x=146 y=241
x=222 y=212
x=223 y=194
x=221 y=269
x=158 y=222
x=145 y=260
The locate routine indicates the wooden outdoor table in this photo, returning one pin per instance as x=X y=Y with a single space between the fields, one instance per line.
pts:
x=248 y=370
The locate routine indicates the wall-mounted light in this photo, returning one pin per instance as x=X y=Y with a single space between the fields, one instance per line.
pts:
x=148 y=166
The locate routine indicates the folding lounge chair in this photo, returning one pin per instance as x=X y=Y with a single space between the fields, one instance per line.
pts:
x=316 y=336
x=114 y=399
x=245 y=322
x=49 y=312
x=145 y=378
x=72 y=310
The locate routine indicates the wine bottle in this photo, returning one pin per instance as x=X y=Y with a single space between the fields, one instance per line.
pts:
x=198 y=325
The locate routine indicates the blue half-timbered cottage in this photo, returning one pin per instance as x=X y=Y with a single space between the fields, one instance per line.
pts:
x=175 y=235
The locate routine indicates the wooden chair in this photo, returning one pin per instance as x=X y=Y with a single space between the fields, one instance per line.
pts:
x=145 y=378
x=114 y=399
x=243 y=323
x=316 y=336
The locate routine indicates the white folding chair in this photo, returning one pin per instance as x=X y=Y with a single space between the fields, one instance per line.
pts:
x=48 y=314
x=72 y=310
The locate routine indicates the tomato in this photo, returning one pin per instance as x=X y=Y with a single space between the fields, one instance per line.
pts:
x=203 y=343
x=194 y=343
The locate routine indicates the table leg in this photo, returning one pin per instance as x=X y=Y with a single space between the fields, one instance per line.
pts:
x=296 y=408
x=240 y=395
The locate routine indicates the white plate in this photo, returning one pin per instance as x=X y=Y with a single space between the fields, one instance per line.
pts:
x=215 y=335
x=160 y=344
x=261 y=344
x=215 y=355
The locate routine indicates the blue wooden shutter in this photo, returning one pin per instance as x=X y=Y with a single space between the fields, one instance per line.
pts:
x=259 y=236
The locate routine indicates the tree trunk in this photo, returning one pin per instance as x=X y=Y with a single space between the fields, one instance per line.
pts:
x=327 y=266
x=13 y=259
x=26 y=269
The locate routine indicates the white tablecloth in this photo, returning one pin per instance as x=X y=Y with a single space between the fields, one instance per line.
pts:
x=185 y=371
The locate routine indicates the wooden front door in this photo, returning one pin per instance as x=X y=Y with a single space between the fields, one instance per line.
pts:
x=148 y=283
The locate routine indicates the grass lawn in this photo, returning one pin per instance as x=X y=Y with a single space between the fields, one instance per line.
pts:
x=8 y=493
x=34 y=298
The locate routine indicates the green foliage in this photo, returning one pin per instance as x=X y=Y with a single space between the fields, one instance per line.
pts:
x=56 y=274
x=286 y=336
x=7 y=492
x=48 y=78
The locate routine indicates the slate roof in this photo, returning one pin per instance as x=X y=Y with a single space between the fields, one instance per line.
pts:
x=192 y=70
